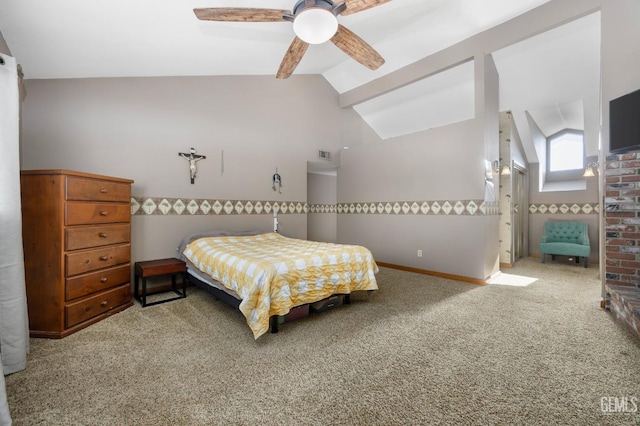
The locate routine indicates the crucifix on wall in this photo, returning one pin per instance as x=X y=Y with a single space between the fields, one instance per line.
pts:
x=193 y=158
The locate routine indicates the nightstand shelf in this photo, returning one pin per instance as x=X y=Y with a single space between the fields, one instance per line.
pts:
x=156 y=268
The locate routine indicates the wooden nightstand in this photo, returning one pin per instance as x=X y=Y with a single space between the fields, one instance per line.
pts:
x=155 y=268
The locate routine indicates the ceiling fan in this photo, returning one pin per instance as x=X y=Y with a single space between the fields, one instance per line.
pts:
x=314 y=22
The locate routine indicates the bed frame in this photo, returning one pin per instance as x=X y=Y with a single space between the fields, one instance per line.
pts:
x=235 y=303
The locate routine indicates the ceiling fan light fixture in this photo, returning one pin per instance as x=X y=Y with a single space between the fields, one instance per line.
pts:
x=315 y=25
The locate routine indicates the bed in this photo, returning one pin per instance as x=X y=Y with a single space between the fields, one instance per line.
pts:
x=265 y=274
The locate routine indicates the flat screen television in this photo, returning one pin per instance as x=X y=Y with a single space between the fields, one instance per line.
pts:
x=624 y=123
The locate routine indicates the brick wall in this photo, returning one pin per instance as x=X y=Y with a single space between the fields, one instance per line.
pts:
x=622 y=220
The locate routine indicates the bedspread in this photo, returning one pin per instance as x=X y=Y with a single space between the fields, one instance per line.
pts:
x=272 y=273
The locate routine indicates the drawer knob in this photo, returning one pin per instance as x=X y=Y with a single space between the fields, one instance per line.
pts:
x=104 y=213
x=103 y=303
x=102 y=235
x=103 y=191
x=103 y=280
x=88 y=308
x=104 y=258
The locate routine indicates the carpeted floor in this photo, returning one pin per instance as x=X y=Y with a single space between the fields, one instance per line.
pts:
x=422 y=350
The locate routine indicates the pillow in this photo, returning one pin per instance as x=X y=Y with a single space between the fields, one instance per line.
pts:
x=214 y=233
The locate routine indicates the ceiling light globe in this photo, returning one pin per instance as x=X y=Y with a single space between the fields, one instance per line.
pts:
x=315 y=25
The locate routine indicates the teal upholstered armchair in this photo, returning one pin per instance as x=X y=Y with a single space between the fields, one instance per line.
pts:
x=566 y=238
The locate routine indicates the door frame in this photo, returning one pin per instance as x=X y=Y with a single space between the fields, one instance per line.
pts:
x=519 y=243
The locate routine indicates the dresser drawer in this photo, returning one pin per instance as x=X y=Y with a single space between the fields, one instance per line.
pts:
x=90 y=213
x=92 y=260
x=88 y=308
x=82 y=189
x=94 y=282
x=96 y=236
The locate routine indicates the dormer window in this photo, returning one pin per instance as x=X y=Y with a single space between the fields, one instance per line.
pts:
x=565 y=155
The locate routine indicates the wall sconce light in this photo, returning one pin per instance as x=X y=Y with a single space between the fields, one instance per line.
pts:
x=489 y=170
x=502 y=170
x=589 y=171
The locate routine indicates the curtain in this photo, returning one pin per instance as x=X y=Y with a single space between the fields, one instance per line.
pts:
x=14 y=326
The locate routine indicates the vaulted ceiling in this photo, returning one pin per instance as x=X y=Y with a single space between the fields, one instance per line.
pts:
x=123 y=38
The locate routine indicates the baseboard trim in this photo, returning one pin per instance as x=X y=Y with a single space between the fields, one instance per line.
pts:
x=505 y=265
x=469 y=280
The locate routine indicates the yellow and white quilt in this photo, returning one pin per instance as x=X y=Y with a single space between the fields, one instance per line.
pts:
x=272 y=273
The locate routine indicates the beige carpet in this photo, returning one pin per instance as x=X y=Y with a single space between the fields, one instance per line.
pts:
x=422 y=350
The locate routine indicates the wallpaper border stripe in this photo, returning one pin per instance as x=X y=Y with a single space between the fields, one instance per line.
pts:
x=433 y=208
x=191 y=207
x=163 y=206
x=587 y=208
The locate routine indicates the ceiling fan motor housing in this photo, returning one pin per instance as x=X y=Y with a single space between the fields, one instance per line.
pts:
x=323 y=4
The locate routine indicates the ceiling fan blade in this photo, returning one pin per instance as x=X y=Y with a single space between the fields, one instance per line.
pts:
x=354 y=6
x=292 y=58
x=237 y=14
x=357 y=48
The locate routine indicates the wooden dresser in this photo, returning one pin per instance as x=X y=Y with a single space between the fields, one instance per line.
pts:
x=76 y=230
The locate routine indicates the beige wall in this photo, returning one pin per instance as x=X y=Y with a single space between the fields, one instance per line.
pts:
x=440 y=165
x=537 y=220
x=322 y=190
x=135 y=127
x=620 y=55
x=620 y=73
x=517 y=150
x=3 y=45
x=426 y=166
x=589 y=195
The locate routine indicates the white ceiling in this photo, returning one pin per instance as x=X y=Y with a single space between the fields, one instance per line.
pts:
x=553 y=76
x=444 y=98
x=121 y=38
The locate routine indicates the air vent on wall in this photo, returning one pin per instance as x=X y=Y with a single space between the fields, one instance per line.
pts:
x=325 y=155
